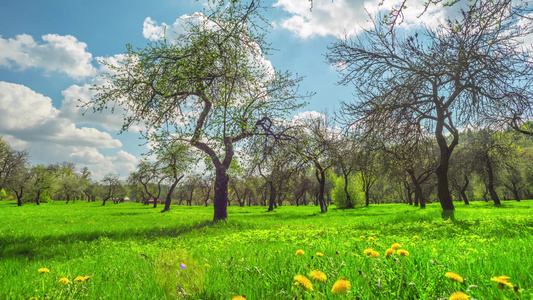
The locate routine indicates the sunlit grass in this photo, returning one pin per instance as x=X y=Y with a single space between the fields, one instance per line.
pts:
x=254 y=253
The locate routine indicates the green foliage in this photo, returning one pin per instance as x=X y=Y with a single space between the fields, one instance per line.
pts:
x=3 y=194
x=45 y=196
x=355 y=191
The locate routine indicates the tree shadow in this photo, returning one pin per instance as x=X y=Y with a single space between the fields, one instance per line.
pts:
x=45 y=247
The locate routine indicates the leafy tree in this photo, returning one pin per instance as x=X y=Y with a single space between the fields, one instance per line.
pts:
x=112 y=188
x=150 y=178
x=43 y=179
x=312 y=141
x=211 y=86
x=439 y=80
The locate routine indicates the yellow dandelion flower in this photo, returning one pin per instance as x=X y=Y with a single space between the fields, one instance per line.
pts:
x=341 y=286
x=87 y=278
x=502 y=281
x=368 y=251
x=454 y=277
x=396 y=246
x=362 y=237
x=319 y=254
x=43 y=270
x=374 y=254
x=300 y=252
x=372 y=233
x=371 y=239
x=415 y=237
x=304 y=282
x=277 y=251
x=403 y=252
x=390 y=252
x=459 y=296
x=79 y=279
x=207 y=265
x=317 y=275
x=33 y=298
x=337 y=252
x=238 y=298
x=64 y=280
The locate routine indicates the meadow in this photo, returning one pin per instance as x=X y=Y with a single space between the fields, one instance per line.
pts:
x=131 y=251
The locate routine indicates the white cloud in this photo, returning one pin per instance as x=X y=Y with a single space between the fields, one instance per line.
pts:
x=155 y=32
x=71 y=109
x=351 y=17
x=30 y=116
x=30 y=121
x=122 y=163
x=56 y=53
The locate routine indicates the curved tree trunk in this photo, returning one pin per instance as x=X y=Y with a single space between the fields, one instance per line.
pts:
x=490 y=185
x=321 y=176
x=169 y=194
x=443 y=189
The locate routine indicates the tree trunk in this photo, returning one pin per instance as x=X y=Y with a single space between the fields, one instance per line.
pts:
x=419 y=196
x=322 y=180
x=463 y=191
x=516 y=194
x=220 y=201
x=272 y=198
x=348 y=197
x=490 y=186
x=169 y=194
x=443 y=190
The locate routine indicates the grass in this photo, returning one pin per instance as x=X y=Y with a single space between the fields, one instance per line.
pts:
x=131 y=251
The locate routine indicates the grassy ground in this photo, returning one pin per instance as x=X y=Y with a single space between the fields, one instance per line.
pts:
x=131 y=251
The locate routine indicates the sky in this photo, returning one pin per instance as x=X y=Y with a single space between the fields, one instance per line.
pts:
x=49 y=53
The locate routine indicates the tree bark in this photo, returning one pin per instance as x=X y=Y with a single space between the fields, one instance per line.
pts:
x=443 y=189
x=272 y=198
x=348 y=197
x=169 y=194
x=419 y=196
x=490 y=185
x=321 y=176
x=220 y=201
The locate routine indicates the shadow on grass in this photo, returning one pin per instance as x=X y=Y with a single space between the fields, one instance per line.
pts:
x=49 y=246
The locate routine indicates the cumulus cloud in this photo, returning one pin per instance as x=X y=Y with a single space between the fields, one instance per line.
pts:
x=30 y=116
x=155 y=32
x=29 y=121
x=122 y=163
x=351 y=17
x=56 y=53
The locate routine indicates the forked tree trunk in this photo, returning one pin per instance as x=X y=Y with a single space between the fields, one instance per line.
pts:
x=419 y=195
x=490 y=185
x=348 y=197
x=321 y=176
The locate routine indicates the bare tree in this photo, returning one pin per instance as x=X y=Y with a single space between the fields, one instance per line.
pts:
x=439 y=80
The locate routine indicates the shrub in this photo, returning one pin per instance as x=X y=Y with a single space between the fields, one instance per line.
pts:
x=354 y=189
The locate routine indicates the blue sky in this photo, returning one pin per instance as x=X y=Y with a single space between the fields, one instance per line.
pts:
x=48 y=58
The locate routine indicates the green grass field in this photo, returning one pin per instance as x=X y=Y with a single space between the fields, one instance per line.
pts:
x=131 y=251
